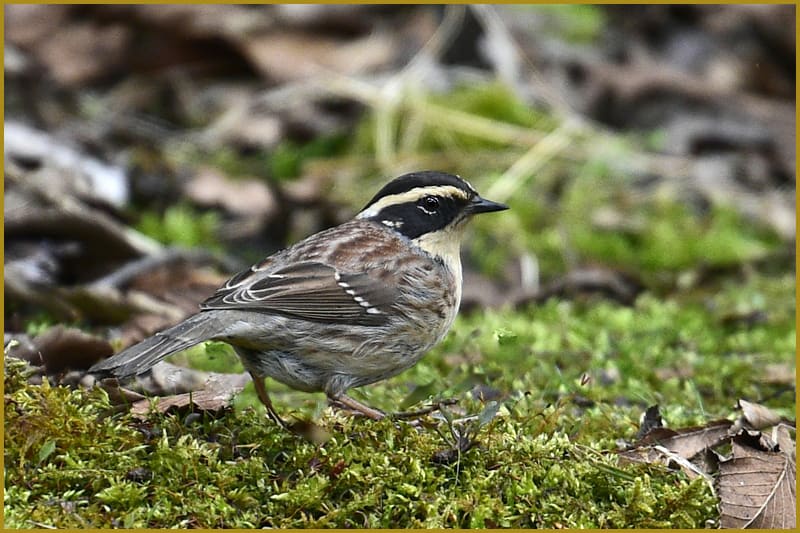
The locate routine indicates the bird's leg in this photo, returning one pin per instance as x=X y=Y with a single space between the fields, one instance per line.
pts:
x=357 y=406
x=261 y=391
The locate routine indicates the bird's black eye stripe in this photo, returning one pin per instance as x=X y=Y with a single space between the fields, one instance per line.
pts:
x=429 y=204
x=425 y=214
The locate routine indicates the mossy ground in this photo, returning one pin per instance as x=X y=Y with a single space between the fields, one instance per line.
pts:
x=545 y=460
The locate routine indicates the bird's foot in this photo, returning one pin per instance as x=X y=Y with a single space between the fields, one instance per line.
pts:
x=346 y=402
x=356 y=407
x=419 y=413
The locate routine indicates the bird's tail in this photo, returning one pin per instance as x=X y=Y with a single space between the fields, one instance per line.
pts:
x=141 y=357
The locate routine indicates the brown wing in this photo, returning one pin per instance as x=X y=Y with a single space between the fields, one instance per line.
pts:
x=310 y=290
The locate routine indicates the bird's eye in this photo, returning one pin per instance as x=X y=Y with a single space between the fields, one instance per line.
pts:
x=429 y=204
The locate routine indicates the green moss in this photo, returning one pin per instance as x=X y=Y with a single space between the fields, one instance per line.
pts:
x=281 y=163
x=41 y=322
x=181 y=225
x=287 y=159
x=675 y=238
x=241 y=471
x=546 y=460
x=234 y=163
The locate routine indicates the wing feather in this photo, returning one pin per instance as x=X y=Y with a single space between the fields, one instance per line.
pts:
x=313 y=291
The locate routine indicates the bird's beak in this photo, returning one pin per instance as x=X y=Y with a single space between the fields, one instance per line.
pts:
x=481 y=205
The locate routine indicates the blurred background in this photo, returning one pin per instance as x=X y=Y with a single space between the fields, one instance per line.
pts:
x=647 y=261
x=150 y=151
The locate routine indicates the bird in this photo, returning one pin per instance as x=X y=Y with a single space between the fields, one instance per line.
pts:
x=346 y=307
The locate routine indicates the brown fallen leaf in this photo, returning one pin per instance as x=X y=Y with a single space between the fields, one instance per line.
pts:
x=688 y=442
x=707 y=462
x=781 y=435
x=41 y=212
x=216 y=396
x=293 y=55
x=72 y=52
x=690 y=449
x=60 y=348
x=209 y=187
x=757 y=488
x=757 y=416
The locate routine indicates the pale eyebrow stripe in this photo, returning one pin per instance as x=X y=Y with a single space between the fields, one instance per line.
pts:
x=412 y=196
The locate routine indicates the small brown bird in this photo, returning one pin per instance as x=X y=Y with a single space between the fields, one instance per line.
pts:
x=346 y=307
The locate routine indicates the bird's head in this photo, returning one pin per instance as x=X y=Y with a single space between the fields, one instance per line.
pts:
x=430 y=208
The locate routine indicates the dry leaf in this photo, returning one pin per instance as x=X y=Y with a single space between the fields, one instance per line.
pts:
x=688 y=442
x=241 y=196
x=707 y=461
x=217 y=395
x=758 y=416
x=60 y=348
x=79 y=53
x=692 y=469
x=688 y=448
x=757 y=489
x=290 y=55
x=73 y=52
x=781 y=435
x=28 y=25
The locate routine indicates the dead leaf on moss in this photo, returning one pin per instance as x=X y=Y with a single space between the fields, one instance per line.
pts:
x=664 y=446
x=166 y=379
x=688 y=442
x=756 y=485
x=757 y=488
x=216 y=396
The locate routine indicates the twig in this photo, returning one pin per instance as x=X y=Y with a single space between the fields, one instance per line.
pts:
x=436 y=406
